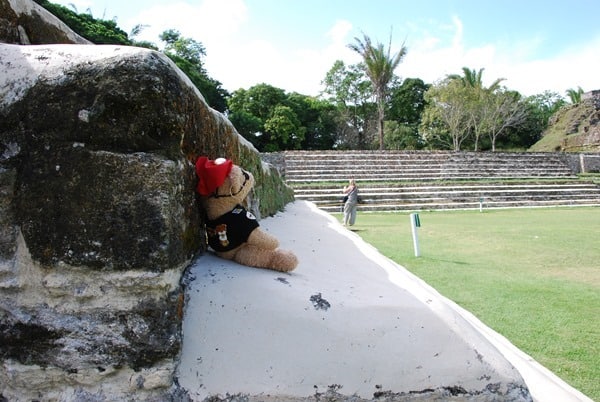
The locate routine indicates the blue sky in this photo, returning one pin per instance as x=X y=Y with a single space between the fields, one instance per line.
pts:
x=291 y=44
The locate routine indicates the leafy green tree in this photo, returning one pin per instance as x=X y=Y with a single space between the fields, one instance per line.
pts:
x=98 y=31
x=539 y=109
x=347 y=85
x=379 y=67
x=543 y=106
x=464 y=111
x=351 y=92
x=405 y=108
x=187 y=54
x=284 y=129
x=248 y=110
x=407 y=101
x=503 y=110
x=480 y=101
x=259 y=100
x=186 y=48
x=446 y=119
x=318 y=118
x=401 y=136
x=273 y=120
x=249 y=126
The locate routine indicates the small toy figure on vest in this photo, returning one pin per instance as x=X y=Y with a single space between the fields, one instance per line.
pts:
x=233 y=232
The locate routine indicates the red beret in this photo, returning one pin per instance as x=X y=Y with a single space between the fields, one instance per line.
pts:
x=211 y=174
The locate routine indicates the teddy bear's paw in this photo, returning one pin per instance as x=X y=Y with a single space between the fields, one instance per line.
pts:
x=283 y=261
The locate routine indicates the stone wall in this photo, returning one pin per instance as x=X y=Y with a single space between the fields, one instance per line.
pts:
x=590 y=163
x=583 y=162
x=99 y=218
x=276 y=159
x=594 y=96
x=582 y=125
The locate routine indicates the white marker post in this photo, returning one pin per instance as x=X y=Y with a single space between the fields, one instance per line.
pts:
x=415 y=223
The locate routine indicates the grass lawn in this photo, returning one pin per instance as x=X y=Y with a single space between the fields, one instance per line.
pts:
x=532 y=275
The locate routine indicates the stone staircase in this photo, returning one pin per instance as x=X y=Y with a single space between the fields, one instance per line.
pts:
x=423 y=180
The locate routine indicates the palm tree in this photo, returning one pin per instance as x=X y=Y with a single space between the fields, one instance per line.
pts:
x=575 y=95
x=478 y=107
x=473 y=79
x=379 y=65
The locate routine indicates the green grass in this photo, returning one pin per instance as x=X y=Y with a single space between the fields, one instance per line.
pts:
x=595 y=177
x=532 y=275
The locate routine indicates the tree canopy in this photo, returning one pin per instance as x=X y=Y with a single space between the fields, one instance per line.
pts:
x=99 y=31
x=351 y=92
x=273 y=120
x=188 y=55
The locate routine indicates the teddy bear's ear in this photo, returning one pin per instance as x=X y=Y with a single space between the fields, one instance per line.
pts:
x=211 y=174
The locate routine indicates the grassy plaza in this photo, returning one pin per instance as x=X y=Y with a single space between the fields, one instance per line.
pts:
x=533 y=275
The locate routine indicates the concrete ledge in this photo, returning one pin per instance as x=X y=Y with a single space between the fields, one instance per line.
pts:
x=348 y=324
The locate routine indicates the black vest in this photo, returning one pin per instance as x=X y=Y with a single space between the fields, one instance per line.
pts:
x=230 y=230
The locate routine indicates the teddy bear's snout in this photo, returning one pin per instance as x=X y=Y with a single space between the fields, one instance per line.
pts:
x=248 y=179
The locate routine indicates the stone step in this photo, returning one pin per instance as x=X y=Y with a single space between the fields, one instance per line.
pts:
x=513 y=184
x=427 y=167
x=377 y=157
x=405 y=180
x=305 y=157
x=416 y=198
x=328 y=170
x=492 y=188
x=394 y=177
x=307 y=154
x=455 y=196
x=357 y=172
x=401 y=159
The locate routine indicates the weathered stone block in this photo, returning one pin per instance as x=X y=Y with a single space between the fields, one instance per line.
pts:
x=98 y=212
x=99 y=217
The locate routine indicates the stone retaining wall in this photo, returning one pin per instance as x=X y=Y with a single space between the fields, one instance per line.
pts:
x=417 y=180
x=584 y=162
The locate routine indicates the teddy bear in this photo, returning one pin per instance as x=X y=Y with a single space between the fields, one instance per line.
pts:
x=232 y=231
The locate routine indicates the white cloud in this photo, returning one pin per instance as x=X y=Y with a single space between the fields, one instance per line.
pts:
x=219 y=26
x=294 y=70
x=431 y=58
x=81 y=6
x=210 y=22
x=239 y=60
x=339 y=32
x=457 y=39
x=573 y=67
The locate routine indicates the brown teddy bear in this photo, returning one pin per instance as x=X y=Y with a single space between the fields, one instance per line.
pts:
x=233 y=232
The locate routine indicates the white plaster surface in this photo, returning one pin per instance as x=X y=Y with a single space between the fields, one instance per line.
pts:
x=23 y=66
x=347 y=316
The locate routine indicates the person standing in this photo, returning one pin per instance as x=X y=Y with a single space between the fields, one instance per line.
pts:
x=351 y=192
